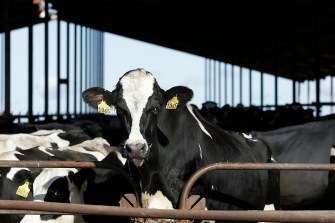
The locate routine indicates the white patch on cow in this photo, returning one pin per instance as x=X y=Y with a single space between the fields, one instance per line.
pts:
x=332 y=151
x=11 y=156
x=61 y=219
x=28 y=141
x=45 y=132
x=200 y=151
x=156 y=201
x=138 y=162
x=190 y=109
x=213 y=187
x=46 y=178
x=249 y=137
x=137 y=88
x=43 y=149
x=268 y=207
x=121 y=158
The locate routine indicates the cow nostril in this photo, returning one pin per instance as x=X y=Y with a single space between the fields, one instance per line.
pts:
x=135 y=147
x=128 y=148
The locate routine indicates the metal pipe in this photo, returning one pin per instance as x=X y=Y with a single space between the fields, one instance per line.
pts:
x=247 y=166
x=84 y=209
x=46 y=60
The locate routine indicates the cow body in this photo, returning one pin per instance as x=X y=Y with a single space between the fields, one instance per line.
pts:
x=66 y=185
x=168 y=140
x=305 y=143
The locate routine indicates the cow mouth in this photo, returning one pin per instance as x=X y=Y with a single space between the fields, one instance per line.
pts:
x=138 y=162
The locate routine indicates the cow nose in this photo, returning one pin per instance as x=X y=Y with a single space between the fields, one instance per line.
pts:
x=136 y=150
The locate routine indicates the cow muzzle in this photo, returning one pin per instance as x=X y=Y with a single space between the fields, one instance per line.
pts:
x=136 y=151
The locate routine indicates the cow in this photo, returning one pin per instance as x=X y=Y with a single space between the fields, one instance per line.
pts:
x=330 y=191
x=66 y=185
x=304 y=143
x=168 y=140
x=46 y=138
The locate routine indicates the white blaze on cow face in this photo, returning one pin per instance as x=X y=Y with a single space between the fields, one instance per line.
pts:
x=137 y=87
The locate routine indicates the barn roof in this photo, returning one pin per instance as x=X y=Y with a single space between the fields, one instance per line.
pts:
x=294 y=39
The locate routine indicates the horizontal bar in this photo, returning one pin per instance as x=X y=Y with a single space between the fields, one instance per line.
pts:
x=219 y=165
x=85 y=209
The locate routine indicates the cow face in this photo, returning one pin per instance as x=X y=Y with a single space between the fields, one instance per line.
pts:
x=138 y=101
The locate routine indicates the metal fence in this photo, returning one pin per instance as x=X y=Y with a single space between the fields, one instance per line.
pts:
x=183 y=214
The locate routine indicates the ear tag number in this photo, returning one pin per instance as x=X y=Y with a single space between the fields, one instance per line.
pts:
x=104 y=108
x=84 y=186
x=172 y=103
x=23 y=190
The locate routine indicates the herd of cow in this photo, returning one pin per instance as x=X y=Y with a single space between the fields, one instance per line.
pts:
x=161 y=141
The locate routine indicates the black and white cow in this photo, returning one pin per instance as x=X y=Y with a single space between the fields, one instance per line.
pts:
x=304 y=143
x=330 y=191
x=66 y=185
x=168 y=140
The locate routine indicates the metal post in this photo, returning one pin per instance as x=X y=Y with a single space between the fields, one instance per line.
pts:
x=232 y=85
x=241 y=86
x=250 y=87
x=7 y=58
x=220 y=86
x=75 y=71
x=226 y=84
x=46 y=61
x=30 y=73
x=58 y=66
x=66 y=81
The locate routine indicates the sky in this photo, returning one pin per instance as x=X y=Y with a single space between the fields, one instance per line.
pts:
x=170 y=68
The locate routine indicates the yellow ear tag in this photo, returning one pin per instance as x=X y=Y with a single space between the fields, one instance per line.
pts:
x=172 y=103
x=84 y=186
x=104 y=108
x=23 y=190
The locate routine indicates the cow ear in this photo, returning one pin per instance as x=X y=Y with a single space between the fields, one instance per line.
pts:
x=82 y=179
x=177 y=97
x=99 y=98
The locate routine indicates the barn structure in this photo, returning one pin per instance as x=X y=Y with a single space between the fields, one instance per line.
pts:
x=290 y=39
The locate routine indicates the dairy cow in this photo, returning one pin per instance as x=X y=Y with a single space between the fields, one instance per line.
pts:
x=66 y=185
x=168 y=140
x=305 y=143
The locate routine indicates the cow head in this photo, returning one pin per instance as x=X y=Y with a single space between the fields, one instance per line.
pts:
x=138 y=101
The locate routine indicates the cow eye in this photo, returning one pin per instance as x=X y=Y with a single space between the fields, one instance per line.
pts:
x=154 y=110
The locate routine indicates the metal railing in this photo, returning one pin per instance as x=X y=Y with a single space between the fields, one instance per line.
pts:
x=31 y=207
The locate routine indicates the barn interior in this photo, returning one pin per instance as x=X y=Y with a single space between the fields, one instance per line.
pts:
x=293 y=39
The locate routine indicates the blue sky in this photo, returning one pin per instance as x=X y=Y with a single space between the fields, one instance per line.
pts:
x=170 y=67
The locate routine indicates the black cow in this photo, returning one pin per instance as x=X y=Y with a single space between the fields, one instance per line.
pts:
x=168 y=140
x=304 y=143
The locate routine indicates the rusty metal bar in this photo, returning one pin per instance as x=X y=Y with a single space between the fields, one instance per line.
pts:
x=47 y=164
x=210 y=167
x=84 y=209
x=182 y=213
x=248 y=166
